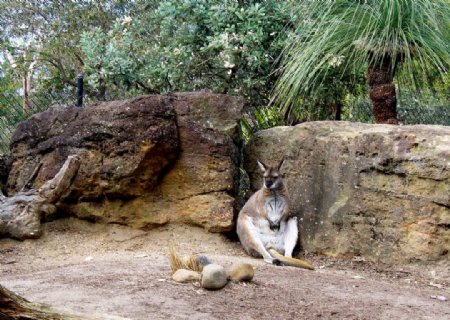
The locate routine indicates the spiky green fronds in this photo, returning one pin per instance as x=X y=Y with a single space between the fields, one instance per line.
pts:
x=341 y=37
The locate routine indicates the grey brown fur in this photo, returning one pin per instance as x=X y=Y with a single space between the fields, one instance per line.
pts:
x=264 y=221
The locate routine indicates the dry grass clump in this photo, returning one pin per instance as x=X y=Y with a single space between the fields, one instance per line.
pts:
x=192 y=262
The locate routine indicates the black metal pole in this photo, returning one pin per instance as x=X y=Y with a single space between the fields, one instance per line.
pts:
x=80 y=90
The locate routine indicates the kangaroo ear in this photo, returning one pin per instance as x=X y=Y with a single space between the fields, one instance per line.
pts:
x=262 y=166
x=280 y=165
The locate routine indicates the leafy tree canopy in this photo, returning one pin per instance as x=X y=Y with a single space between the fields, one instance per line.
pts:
x=181 y=45
x=48 y=33
x=126 y=48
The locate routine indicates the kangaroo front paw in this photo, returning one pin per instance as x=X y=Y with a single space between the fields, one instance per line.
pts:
x=277 y=262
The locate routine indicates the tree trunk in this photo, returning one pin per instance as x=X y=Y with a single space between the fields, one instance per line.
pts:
x=14 y=307
x=337 y=110
x=382 y=91
x=26 y=99
x=101 y=91
x=27 y=86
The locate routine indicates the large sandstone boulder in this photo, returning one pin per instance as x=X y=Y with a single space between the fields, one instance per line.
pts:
x=124 y=146
x=379 y=191
x=144 y=162
x=200 y=187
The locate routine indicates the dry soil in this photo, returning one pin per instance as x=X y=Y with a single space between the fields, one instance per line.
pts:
x=115 y=270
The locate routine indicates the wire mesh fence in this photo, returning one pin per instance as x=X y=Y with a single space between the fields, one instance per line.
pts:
x=264 y=118
x=13 y=110
x=407 y=114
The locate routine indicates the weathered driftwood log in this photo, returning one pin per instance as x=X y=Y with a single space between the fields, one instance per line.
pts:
x=21 y=214
x=14 y=307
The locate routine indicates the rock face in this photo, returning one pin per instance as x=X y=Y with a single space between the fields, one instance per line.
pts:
x=379 y=191
x=200 y=186
x=144 y=162
x=4 y=169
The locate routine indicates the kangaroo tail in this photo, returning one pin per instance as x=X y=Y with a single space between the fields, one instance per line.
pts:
x=290 y=261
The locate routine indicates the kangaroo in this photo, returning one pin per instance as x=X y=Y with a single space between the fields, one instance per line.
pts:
x=264 y=226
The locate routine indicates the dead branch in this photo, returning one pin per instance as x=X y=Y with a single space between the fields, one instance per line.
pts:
x=20 y=215
x=33 y=176
x=14 y=307
x=53 y=189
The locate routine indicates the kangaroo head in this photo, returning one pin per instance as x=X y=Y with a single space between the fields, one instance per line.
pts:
x=272 y=177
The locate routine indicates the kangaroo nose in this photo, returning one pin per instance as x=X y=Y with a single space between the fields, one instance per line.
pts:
x=269 y=183
x=274 y=226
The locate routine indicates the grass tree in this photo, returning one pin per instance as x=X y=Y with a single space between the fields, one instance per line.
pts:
x=403 y=41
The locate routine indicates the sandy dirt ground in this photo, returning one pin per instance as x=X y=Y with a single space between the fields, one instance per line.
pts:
x=115 y=270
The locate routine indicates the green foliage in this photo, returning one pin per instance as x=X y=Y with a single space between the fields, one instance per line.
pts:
x=8 y=83
x=180 y=45
x=259 y=119
x=126 y=48
x=340 y=38
x=48 y=32
x=8 y=87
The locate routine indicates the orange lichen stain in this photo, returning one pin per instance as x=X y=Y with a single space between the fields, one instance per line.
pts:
x=145 y=146
x=422 y=224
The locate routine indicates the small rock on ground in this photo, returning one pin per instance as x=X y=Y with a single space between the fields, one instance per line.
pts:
x=214 y=277
x=183 y=275
x=241 y=272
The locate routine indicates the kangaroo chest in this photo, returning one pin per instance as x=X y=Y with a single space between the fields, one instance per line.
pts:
x=274 y=207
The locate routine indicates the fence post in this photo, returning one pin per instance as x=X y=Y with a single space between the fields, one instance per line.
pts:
x=80 y=90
